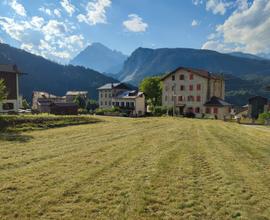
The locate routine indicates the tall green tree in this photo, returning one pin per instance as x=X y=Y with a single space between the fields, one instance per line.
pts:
x=80 y=101
x=3 y=93
x=152 y=88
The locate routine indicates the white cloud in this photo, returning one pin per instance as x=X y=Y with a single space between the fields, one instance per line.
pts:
x=247 y=30
x=53 y=29
x=194 y=23
x=27 y=47
x=96 y=12
x=135 y=24
x=197 y=2
x=70 y=9
x=57 y=13
x=45 y=10
x=1 y=41
x=17 y=7
x=217 y=6
x=37 y=22
x=15 y=30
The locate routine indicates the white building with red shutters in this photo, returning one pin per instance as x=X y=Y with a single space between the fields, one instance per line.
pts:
x=197 y=91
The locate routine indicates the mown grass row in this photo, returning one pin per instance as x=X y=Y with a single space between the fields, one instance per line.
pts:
x=21 y=123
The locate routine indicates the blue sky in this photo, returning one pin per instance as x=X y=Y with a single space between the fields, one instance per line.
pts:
x=58 y=30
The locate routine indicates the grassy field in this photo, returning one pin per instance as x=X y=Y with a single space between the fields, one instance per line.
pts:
x=156 y=168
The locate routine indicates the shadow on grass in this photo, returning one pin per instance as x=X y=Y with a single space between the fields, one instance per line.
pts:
x=14 y=136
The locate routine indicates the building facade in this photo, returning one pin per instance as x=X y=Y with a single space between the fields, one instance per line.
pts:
x=197 y=91
x=10 y=74
x=108 y=92
x=131 y=102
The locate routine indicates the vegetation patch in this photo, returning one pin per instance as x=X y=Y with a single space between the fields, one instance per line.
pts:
x=20 y=123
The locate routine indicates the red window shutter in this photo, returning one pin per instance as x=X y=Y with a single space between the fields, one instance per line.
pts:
x=198 y=87
x=215 y=110
x=191 y=76
x=198 y=98
x=191 y=87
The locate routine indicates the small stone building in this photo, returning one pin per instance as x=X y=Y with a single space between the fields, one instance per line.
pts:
x=10 y=74
x=256 y=106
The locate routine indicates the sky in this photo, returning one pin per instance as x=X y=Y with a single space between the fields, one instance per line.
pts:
x=59 y=30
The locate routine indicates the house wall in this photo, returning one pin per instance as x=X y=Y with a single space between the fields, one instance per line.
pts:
x=106 y=96
x=140 y=106
x=173 y=87
x=11 y=81
x=208 y=88
x=222 y=112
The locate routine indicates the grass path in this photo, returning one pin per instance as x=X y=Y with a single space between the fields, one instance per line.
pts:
x=158 y=168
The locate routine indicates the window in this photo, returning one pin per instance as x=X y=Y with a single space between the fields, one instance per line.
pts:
x=198 y=87
x=8 y=106
x=117 y=103
x=198 y=98
x=105 y=103
x=101 y=95
x=207 y=110
x=110 y=103
x=173 y=77
x=105 y=96
x=182 y=77
x=215 y=110
x=113 y=103
x=190 y=98
x=191 y=87
x=191 y=76
x=132 y=104
x=122 y=104
x=180 y=98
x=197 y=110
x=182 y=88
x=166 y=88
x=101 y=103
x=127 y=104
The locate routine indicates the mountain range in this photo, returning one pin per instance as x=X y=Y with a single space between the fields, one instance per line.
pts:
x=246 y=75
x=146 y=62
x=100 y=58
x=44 y=75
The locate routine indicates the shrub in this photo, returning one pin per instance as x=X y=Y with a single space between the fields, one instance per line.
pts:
x=263 y=117
x=82 y=111
x=162 y=110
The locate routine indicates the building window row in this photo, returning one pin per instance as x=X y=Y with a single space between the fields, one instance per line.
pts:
x=124 y=104
x=182 y=77
x=189 y=98
x=182 y=87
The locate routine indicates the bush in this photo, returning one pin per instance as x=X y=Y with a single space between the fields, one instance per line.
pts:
x=82 y=111
x=263 y=117
x=162 y=110
x=100 y=111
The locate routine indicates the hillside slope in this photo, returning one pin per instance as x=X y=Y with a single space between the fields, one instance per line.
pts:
x=145 y=62
x=42 y=74
x=100 y=58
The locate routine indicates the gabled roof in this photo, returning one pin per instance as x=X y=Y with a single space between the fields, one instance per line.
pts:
x=199 y=72
x=218 y=102
x=113 y=85
x=7 y=68
x=129 y=94
x=74 y=93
